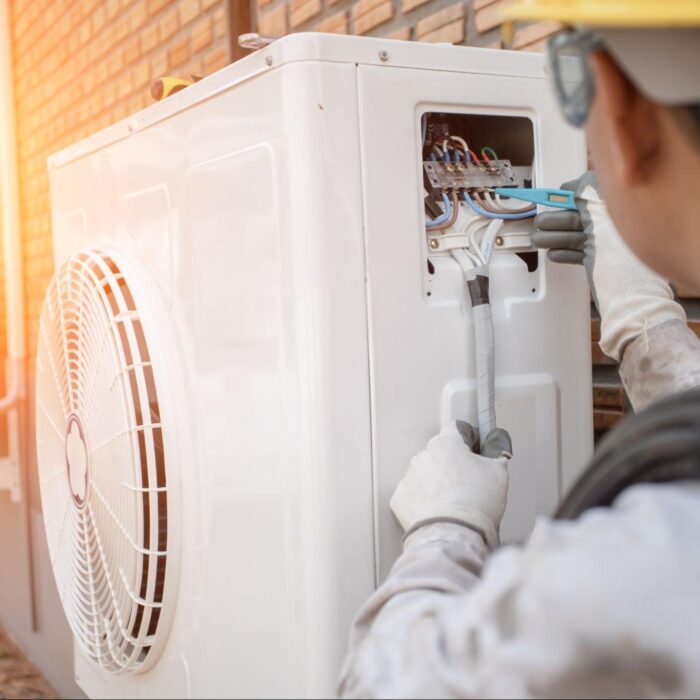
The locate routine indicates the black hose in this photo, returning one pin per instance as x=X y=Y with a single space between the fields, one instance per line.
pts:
x=659 y=445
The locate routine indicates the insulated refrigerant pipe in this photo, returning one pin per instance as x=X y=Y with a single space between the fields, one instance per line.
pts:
x=10 y=231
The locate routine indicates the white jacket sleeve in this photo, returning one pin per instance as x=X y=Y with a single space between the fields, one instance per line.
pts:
x=605 y=606
x=662 y=361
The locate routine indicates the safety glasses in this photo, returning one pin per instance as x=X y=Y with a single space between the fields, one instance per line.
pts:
x=569 y=64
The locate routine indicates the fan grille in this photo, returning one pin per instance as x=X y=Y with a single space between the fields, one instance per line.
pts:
x=102 y=462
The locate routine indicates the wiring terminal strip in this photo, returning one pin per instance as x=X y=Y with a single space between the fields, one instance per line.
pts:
x=459 y=175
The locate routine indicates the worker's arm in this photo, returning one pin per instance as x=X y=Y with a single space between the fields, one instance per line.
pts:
x=641 y=324
x=663 y=361
x=603 y=607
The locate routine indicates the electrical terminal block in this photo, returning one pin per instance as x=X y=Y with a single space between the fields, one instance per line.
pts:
x=446 y=175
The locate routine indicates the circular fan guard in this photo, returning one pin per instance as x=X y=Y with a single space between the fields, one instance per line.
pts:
x=102 y=463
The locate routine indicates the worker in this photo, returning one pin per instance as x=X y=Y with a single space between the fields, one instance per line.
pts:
x=608 y=604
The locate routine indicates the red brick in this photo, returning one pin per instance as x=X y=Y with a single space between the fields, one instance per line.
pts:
x=137 y=18
x=202 y=34
x=215 y=60
x=220 y=23
x=428 y=25
x=169 y=24
x=179 y=51
x=303 y=10
x=368 y=14
x=131 y=50
x=149 y=38
x=335 y=24
x=403 y=34
x=189 y=9
x=274 y=22
x=141 y=75
x=408 y=5
x=155 y=6
x=489 y=17
x=98 y=18
x=534 y=33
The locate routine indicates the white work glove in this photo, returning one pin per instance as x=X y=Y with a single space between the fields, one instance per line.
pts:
x=630 y=297
x=448 y=482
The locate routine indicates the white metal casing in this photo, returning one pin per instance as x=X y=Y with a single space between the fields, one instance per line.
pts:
x=276 y=208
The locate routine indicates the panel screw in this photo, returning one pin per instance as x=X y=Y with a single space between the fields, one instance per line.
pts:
x=434 y=243
x=268 y=60
x=383 y=55
x=499 y=240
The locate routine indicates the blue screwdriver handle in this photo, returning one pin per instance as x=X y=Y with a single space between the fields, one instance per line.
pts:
x=560 y=199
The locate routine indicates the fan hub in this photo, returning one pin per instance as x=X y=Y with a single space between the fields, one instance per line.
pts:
x=77 y=461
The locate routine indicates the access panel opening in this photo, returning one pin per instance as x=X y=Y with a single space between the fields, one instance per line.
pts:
x=466 y=160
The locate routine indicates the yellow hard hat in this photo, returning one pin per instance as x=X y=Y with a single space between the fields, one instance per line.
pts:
x=609 y=13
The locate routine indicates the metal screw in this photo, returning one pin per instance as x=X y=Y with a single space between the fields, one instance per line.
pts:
x=499 y=240
x=383 y=55
x=434 y=243
x=268 y=60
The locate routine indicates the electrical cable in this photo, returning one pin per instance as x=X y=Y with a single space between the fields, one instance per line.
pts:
x=507 y=217
x=494 y=155
x=461 y=142
x=496 y=206
x=507 y=205
x=480 y=201
x=489 y=239
x=477 y=280
x=453 y=216
x=445 y=216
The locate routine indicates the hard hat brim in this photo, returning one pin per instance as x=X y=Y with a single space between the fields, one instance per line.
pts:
x=604 y=15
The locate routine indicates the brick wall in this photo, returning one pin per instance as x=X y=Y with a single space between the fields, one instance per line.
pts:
x=473 y=22
x=80 y=65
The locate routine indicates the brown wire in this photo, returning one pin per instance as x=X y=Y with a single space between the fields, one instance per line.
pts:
x=492 y=210
x=452 y=219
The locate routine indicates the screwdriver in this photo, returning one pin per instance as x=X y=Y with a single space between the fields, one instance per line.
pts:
x=560 y=199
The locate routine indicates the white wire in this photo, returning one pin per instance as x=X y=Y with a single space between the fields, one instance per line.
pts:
x=492 y=202
x=465 y=260
x=489 y=238
x=498 y=202
x=461 y=141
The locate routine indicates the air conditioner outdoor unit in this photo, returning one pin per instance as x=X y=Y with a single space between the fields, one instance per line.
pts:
x=248 y=336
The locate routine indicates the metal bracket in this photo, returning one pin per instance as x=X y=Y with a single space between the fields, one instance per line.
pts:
x=443 y=243
x=255 y=41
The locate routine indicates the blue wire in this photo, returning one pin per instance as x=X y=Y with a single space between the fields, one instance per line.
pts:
x=489 y=215
x=445 y=217
x=455 y=156
x=433 y=156
x=446 y=156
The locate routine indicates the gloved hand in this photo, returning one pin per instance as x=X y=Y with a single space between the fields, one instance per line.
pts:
x=449 y=482
x=630 y=297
